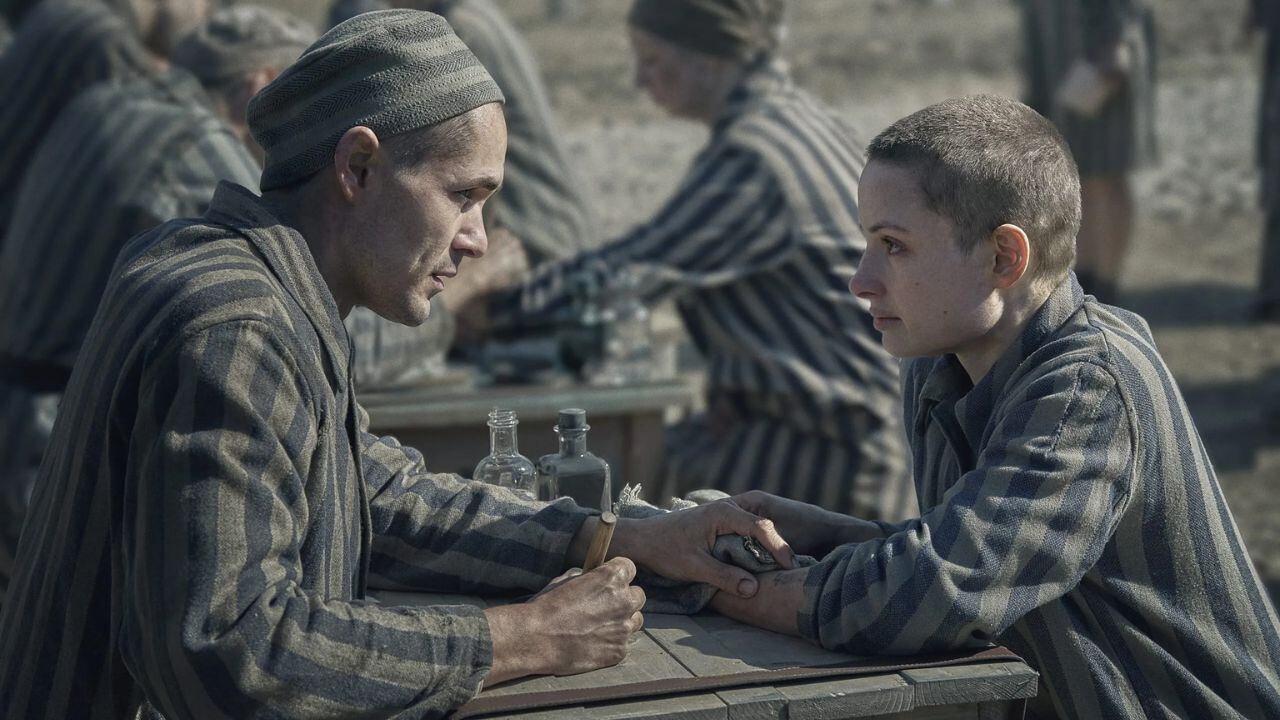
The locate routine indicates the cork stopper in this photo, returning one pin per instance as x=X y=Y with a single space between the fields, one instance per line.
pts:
x=572 y=419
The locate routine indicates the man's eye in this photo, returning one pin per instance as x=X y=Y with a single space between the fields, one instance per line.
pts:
x=892 y=246
x=465 y=195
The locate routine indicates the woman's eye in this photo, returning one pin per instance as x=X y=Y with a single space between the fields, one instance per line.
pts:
x=891 y=245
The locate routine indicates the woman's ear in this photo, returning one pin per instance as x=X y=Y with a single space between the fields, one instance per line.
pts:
x=1012 y=255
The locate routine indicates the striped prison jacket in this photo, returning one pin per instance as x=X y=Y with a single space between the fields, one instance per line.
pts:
x=544 y=198
x=60 y=48
x=1070 y=512
x=119 y=160
x=757 y=246
x=212 y=509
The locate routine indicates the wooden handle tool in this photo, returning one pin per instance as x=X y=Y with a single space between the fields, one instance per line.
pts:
x=600 y=541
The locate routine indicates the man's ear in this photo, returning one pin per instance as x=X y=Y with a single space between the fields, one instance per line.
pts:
x=1012 y=250
x=359 y=152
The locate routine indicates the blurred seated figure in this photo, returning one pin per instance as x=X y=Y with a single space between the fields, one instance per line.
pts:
x=121 y=159
x=756 y=247
x=344 y=10
x=62 y=47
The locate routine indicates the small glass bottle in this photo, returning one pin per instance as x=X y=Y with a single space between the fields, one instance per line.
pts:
x=573 y=472
x=628 y=354
x=505 y=465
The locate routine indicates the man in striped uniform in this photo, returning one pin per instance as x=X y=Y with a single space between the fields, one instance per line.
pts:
x=1068 y=507
x=122 y=158
x=212 y=512
x=755 y=247
x=63 y=47
x=1115 y=40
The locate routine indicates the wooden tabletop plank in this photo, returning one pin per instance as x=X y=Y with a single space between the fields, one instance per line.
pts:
x=710 y=644
x=848 y=697
x=754 y=703
x=698 y=707
x=972 y=683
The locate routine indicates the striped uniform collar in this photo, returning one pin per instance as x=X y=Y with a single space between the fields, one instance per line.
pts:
x=290 y=260
x=763 y=77
x=948 y=384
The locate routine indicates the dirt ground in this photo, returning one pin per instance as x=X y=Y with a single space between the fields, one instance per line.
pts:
x=1194 y=261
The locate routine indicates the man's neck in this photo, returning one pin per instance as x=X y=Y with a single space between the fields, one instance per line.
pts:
x=303 y=210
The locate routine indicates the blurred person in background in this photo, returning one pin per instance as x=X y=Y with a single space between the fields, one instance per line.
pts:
x=65 y=46
x=756 y=247
x=344 y=10
x=1264 y=16
x=1090 y=68
x=121 y=158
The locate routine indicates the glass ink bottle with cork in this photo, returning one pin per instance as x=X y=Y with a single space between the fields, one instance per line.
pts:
x=574 y=472
x=504 y=465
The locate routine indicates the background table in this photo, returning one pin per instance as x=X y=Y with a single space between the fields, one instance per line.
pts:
x=447 y=423
x=677 y=646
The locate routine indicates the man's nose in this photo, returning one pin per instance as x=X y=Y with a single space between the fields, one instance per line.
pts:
x=472 y=240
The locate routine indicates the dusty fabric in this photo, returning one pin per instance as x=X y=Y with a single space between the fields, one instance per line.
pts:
x=393 y=71
x=240 y=39
x=738 y=29
x=61 y=48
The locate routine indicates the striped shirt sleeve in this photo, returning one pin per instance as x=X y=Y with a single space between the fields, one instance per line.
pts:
x=1019 y=530
x=728 y=220
x=438 y=532
x=217 y=623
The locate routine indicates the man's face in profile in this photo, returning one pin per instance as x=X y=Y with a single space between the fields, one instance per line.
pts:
x=419 y=222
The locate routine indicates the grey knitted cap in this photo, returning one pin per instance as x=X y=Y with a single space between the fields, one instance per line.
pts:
x=392 y=71
x=241 y=39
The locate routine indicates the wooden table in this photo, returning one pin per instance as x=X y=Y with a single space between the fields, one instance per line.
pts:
x=678 y=646
x=447 y=423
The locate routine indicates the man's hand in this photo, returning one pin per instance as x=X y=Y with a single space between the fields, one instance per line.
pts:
x=581 y=622
x=810 y=529
x=678 y=545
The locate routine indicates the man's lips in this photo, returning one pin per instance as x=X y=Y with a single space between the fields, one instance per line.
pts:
x=879 y=320
x=438 y=278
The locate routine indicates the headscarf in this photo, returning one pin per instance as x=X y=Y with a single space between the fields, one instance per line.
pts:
x=735 y=29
